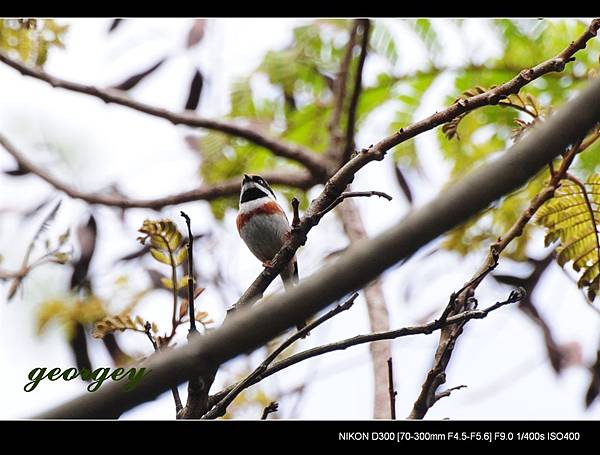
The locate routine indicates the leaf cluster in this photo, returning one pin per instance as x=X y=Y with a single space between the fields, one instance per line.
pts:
x=31 y=39
x=571 y=218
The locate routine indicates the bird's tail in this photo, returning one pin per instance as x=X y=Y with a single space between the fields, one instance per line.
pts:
x=290 y=279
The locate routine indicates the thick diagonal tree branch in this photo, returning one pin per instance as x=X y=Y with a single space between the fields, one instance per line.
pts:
x=358 y=265
x=294 y=152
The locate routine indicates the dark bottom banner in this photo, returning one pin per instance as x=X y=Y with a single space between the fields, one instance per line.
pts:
x=300 y=434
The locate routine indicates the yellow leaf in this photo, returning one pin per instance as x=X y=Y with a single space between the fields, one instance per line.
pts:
x=174 y=239
x=160 y=256
x=182 y=282
x=60 y=257
x=168 y=283
x=48 y=311
x=158 y=242
x=181 y=256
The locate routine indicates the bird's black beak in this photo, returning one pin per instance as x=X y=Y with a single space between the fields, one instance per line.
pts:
x=246 y=178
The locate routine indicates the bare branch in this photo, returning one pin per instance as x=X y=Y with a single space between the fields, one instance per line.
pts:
x=219 y=409
x=272 y=407
x=298 y=179
x=8 y=274
x=174 y=389
x=425 y=329
x=296 y=218
x=364 y=44
x=191 y=280
x=339 y=92
x=195 y=383
x=392 y=392
x=310 y=160
x=447 y=392
x=348 y=194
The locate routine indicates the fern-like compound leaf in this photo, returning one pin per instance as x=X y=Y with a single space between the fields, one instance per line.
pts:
x=572 y=218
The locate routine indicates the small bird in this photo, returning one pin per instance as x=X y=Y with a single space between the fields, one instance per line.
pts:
x=264 y=227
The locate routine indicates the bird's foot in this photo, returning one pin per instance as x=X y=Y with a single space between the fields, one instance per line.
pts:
x=267 y=264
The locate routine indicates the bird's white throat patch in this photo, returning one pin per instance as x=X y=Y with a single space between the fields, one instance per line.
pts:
x=249 y=206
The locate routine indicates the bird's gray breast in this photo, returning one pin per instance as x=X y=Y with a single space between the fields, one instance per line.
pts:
x=265 y=234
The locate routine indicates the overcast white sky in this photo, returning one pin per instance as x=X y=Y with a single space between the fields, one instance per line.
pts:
x=501 y=359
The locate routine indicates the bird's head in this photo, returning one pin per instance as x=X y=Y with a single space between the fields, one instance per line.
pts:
x=255 y=187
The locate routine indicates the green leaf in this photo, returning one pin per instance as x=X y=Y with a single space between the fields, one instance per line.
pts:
x=383 y=43
x=425 y=30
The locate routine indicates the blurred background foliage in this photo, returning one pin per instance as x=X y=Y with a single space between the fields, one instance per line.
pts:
x=31 y=39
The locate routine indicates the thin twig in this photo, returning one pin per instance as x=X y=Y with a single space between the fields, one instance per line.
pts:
x=26 y=266
x=339 y=92
x=295 y=207
x=447 y=392
x=191 y=279
x=351 y=126
x=424 y=329
x=147 y=329
x=272 y=407
x=195 y=394
x=348 y=194
x=174 y=389
x=477 y=278
x=221 y=407
x=392 y=392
